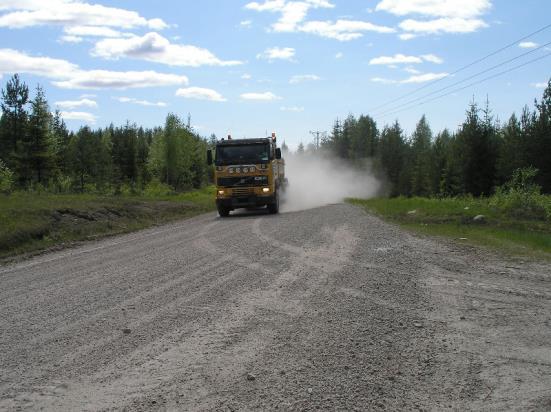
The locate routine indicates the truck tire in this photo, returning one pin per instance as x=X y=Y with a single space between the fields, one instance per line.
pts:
x=273 y=208
x=223 y=211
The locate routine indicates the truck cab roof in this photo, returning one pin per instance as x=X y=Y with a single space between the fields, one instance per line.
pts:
x=230 y=142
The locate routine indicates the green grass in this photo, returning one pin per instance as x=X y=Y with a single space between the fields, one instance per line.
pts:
x=30 y=222
x=453 y=218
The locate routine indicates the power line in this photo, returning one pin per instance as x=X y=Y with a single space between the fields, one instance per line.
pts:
x=384 y=112
x=462 y=68
x=472 y=84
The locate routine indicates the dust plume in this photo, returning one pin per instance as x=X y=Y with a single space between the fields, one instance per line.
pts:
x=316 y=180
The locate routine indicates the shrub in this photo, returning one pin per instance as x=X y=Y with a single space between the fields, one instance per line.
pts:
x=520 y=197
x=6 y=178
x=155 y=188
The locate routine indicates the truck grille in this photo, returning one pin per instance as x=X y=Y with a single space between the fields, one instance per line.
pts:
x=242 y=181
x=242 y=191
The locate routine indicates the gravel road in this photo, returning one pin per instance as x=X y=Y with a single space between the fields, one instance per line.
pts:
x=328 y=308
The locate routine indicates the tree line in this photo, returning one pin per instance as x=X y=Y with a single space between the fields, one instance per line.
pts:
x=38 y=151
x=479 y=156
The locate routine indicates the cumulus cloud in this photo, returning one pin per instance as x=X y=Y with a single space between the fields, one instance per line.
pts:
x=342 y=30
x=416 y=78
x=140 y=102
x=65 y=13
x=70 y=76
x=303 y=78
x=293 y=15
x=93 y=31
x=200 y=93
x=403 y=59
x=450 y=16
x=266 y=96
x=297 y=109
x=85 y=116
x=443 y=25
x=528 y=45
x=277 y=53
x=435 y=8
x=72 y=104
x=155 y=48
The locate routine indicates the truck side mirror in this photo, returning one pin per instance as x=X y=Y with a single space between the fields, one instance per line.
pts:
x=278 y=153
x=209 y=157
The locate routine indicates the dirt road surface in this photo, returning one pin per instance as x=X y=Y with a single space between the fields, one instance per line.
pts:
x=328 y=308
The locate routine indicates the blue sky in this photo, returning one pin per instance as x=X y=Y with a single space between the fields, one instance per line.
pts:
x=248 y=68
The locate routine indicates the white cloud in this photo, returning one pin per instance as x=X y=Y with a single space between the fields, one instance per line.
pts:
x=245 y=24
x=445 y=16
x=342 y=30
x=71 y=13
x=296 y=109
x=416 y=78
x=303 y=78
x=443 y=25
x=339 y=55
x=422 y=78
x=528 y=45
x=155 y=48
x=246 y=76
x=71 y=104
x=70 y=76
x=403 y=59
x=140 y=102
x=105 y=79
x=277 y=53
x=396 y=59
x=432 y=58
x=85 y=116
x=200 y=93
x=407 y=36
x=411 y=70
x=70 y=39
x=93 y=31
x=266 y=96
x=293 y=15
x=541 y=85
x=291 y=12
x=436 y=8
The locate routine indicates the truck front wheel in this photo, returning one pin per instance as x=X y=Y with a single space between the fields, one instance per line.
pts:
x=273 y=208
x=223 y=211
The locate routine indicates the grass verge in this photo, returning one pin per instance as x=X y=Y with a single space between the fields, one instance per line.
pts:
x=31 y=222
x=454 y=218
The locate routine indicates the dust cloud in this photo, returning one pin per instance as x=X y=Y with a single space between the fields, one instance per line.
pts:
x=316 y=180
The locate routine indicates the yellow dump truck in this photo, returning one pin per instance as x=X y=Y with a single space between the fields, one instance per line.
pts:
x=249 y=173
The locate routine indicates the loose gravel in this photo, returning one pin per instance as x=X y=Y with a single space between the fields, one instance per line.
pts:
x=328 y=308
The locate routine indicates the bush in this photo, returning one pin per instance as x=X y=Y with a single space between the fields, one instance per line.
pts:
x=157 y=189
x=6 y=178
x=520 y=197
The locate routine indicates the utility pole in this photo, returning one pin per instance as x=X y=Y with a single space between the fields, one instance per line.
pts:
x=317 y=134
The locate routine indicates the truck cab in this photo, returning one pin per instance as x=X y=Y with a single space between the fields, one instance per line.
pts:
x=248 y=173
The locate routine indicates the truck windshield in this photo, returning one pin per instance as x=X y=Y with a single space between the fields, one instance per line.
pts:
x=251 y=153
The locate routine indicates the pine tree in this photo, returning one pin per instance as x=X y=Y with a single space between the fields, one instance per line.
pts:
x=391 y=152
x=37 y=148
x=14 y=119
x=421 y=159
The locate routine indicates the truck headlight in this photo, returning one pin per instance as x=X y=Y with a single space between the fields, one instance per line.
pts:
x=220 y=192
x=265 y=189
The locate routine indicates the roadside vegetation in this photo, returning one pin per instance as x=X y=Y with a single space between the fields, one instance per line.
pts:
x=33 y=221
x=516 y=219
